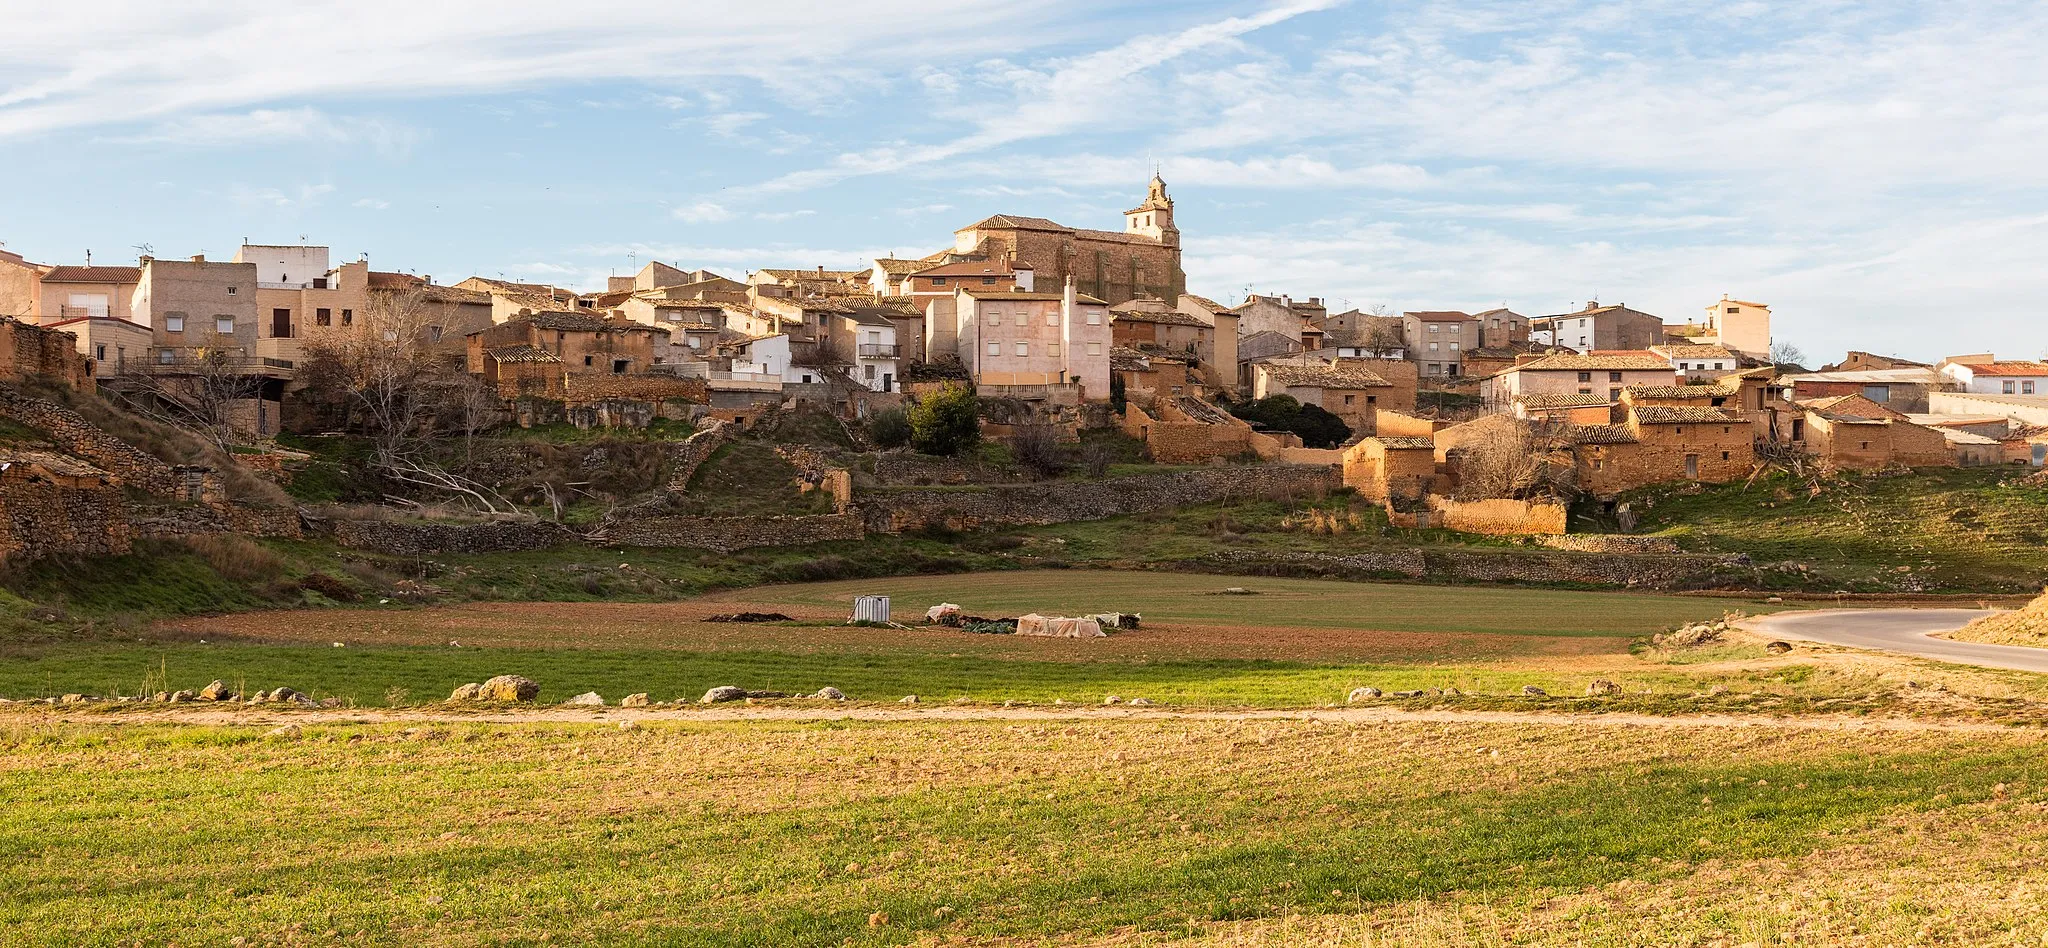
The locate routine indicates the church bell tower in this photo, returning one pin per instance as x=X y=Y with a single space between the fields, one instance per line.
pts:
x=1154 y=218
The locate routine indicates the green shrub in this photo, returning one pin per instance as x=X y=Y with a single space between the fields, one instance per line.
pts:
x=945 y=422
x=889 y=428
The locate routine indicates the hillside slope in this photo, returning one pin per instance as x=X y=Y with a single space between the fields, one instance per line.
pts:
x=2027 y=625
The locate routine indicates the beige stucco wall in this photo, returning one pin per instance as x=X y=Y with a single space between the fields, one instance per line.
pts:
x=203 y=291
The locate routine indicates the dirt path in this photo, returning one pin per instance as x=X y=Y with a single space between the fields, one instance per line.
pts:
x=258 y=717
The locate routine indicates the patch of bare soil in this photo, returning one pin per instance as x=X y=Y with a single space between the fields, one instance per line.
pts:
x=608 y=625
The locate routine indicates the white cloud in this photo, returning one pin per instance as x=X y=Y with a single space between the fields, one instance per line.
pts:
x=259 y=127
x=702 y=212
x=375 y=204
x=297 y=198
x=782 y=215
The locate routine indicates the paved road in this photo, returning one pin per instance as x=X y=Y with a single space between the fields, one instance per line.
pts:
x=1910 y=631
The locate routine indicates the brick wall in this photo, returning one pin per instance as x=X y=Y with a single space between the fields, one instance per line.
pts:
x=726 y=534
x=1069 y=501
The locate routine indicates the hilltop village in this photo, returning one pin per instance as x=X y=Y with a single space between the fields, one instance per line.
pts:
x=1025 y=351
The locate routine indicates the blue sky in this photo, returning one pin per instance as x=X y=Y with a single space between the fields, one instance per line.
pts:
x=1878 y=172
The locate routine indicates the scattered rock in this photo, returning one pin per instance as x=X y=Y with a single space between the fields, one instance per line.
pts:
x=218 y=691
x=1361 y=694
x=1417 y=693
x=1110 y=699
x=1601 y=686
x=634 y=701
x=509 y=688
x=1237 y=591
x=1533 y=690
x=1775 y=599
x=723 y=693
x=180 y=697
x=291 y=696
x=1139 y=703
x=907 y=699
x=1718 y=690
x=1778 y=648
x=629 y=725
x=73 y=699
x=878 y=919
x=1450 y=692
x=468 y=692
x=289 y=732
x=334 y=702
x=830 y=693
x=588 y=699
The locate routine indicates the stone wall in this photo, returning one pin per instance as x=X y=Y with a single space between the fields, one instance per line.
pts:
x=184 y=520
x=39 y=519
x=1068 y=501
x=129 y=465
x=1497 y=517
x=33 y=352
x=409 y=538
x=726 y=534
x=1505 y=566
x=1610 y=543
x=689 y=454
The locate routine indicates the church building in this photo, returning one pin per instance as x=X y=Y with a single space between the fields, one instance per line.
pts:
x=1143 y=259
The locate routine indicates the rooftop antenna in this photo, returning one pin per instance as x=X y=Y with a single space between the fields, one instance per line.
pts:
x=88 y=256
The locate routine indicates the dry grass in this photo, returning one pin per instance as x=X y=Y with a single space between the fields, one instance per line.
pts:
x=2027 y=625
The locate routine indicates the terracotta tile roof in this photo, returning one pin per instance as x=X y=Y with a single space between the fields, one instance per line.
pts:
x=564 y=320
x=1017 y=295
x=994 y=268
x=1502 y=312
x=1014 y=222
x=522 y=353
x=1680 y=415
x=385 y=280
x=93 y=275
x=1506 y=352
x=1406 y=444
x=1601 y=434
x=1125 y=359
x=1566 y=361
x=1205 y=303
x=1442 y=316
x=813 y=276
x=897 y=268
x=1548 y=400
x=1114 y=236
x=1316 y=372
x=1693 y=352
x=1982 y=368
x=1673 y=391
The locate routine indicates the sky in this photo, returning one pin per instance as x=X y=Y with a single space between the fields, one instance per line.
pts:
x=1877 y=172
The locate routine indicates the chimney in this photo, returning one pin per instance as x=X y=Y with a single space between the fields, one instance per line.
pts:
x=145 y=260
x=198 y=258
x=821 y=269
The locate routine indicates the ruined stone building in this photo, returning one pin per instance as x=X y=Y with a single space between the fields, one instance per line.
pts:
x=1114 y=266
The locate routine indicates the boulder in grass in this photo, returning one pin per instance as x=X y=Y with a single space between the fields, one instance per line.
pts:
x=722 y=694
x=1361 y=694
x=180 y=697
x=1601 y=686
x=289 y=732
x=293 y=696
x=588 y=699
x=218 y=691
x=510 y=688
x=1778 y=648
x=634 y=701
x=468 y=692
x=1534 y=692
x=830 y=693
x=907 y=699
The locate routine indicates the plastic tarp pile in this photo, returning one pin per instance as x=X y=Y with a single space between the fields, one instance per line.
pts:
x=944 y=613
x=1059 y=627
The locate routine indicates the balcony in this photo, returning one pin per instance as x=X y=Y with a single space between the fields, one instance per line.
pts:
x=876 y=350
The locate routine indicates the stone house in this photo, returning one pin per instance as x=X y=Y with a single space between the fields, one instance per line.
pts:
x=395 y=305
x=197 y=307
x=1902 y=389
x=862 y=337
x=798 y=284
x=1741 y=326
x=1562 y=408
x=1270 y=314
x=1437 y=341
x=1615 y=327
x=21 y=288
x=28 y=352
x=113 y=344
x=582 y=344
x=1385 y=469
x=1574 y=374
x=509 y=299
x=1149 y=375
x=98 y=292
x=1695 y=362
x=1142 y=259
x=1659 y=444
x=1855 y=433
x=1343 y=388
x=1501 y=328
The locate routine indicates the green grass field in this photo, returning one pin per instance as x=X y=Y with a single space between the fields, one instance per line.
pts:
x=986 y=833
x=1293 y=643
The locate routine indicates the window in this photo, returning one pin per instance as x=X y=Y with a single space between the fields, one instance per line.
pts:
x=174 y=322
x=1614 y=376
x=2011 y=387
x=323 y=317
x=100 y=353
x=1372 y=399
x=1436 y=368
x=1735 y=309
x=1724 y=455
x=1585 y=391
x=938 y=281
x=1051 y=319
x=995 y=318
x=1052 y=349
x=1095 y=348
x=1432 y=345
x=1717 y=365
x=870 y=367
x=589 y=360
x=1433 y=327
x=1454 y=345
x=163 y=356
x=1614 y=394
x=1680 y=429
x=348 y=317
x=988 y=281
x=2026 y=388
x=619 y=366
x=1582 y=340
x=1582 y=324
x=1727 y=430
x=233 y=290
x=1348 y=398
x=1585 y=376
x=1866 y=445
x=1023 y=349
x=995 y=348
x=225 y=325
x=1094 y=318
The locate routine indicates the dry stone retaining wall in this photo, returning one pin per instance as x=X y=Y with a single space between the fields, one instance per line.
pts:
x=403 y=538
x=1623 y=570
x=1069 y=501
x=726 y=534
x=1610 y=543
x=73 y=435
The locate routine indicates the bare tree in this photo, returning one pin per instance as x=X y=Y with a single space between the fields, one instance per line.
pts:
x=206 y=394
x=1511 y=458
x=390 y=385
x=1381 y=336
x=1787 y=355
